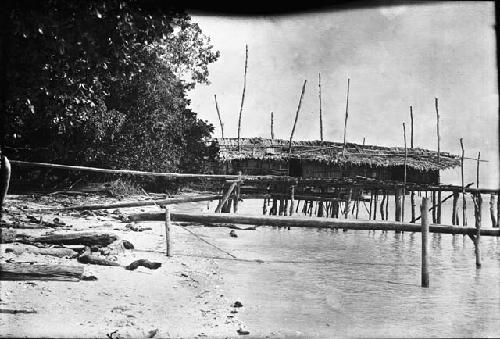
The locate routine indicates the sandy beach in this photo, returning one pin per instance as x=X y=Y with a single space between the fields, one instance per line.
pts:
x=185 y=297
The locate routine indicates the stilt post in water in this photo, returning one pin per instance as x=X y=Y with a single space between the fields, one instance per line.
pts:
x=464 y=204
x=404 y=182
x=168 y=245
x=413 y=206
x=424 y=208
x=454 y=213
x=292 y=199
x=479 y=201
x=492 y=210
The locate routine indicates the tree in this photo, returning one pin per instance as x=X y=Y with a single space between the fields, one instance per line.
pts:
x=104 y=83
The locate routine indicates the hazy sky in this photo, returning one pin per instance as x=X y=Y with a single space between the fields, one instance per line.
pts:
x=395 y=57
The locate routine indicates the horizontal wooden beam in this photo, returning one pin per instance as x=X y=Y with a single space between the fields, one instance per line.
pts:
x=310 y=222
x=170 y=201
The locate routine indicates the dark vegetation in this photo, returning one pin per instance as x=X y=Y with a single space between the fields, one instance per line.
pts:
x=104 y=83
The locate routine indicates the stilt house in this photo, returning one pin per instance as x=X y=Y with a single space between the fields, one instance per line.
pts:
x=324 y=159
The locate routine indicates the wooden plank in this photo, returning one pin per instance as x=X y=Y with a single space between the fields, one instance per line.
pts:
x=225 y=197
x=77 y=238
x=22 y=271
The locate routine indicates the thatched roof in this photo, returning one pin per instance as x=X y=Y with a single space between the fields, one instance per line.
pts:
x=331 y=153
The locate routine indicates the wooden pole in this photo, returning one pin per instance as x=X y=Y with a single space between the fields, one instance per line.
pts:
x=492 y=210
x=348 y=203
x=225 y=197
x=454 y=214
x=297 y=115
x=218 y=114
x=363 y=141
x=371 y=203
x=375 y=201
x=404 y=183
x=320 y=111
x=411 y=118
x=397 y=200
x=292 y=199
x=479 y=201
x=236 y=197
x=413 y=206
x=272 y=125
x=346 y=115
x=434 y=220
x=168 y=245
x=425 y=242
x=438 y=219
x=477 y=169
x=382 y=205
x=464 y=204
x=387 y=208
x=243 y=96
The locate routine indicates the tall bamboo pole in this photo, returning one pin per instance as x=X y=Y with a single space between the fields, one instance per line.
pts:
x=297 y=115
x=243 y=96
x=346 y=115
x=411 y=117
x=220 y=119
x=439 y=161
x=272 y=125
x=477 y=169
x=464 y=204
x=320 y=111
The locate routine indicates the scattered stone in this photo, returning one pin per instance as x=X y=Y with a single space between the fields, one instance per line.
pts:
x=237 y=304
x=242 y=332
x=89 y=278
x=127 y=245
x=152 y=333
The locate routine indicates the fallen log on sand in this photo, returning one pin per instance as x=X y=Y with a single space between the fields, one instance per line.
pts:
x=82 y=238
x=60 y=252
x=310 y=222
x=136 y=203
x=21 y=271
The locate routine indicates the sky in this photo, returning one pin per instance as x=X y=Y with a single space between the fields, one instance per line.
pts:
x=394 y=57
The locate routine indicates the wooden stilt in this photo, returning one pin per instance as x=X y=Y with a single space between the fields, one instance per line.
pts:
x=492 y=210
x=292 y=198
x=225 y=196
x=274 y=208
x=375 y=202
x=168 y=245
x=371 y=203
x=454 y=213
x=382 y=205
x=434 y=204
x=320 y=209
x=285 y=207
x=479 y=201
x=397 y=200
x=237 y=193
x=387 y=208
x=413 y=206
x=348 y=203
x=424 y=211
x=264 y=207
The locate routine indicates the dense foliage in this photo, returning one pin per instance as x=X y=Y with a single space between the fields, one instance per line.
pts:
x=104 y=83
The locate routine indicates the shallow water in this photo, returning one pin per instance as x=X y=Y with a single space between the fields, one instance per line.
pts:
x=328 y=283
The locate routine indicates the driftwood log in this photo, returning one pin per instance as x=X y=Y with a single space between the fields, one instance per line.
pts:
x=81 y=238
x=312 y=222
x=21 y=271
x=60 y=252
